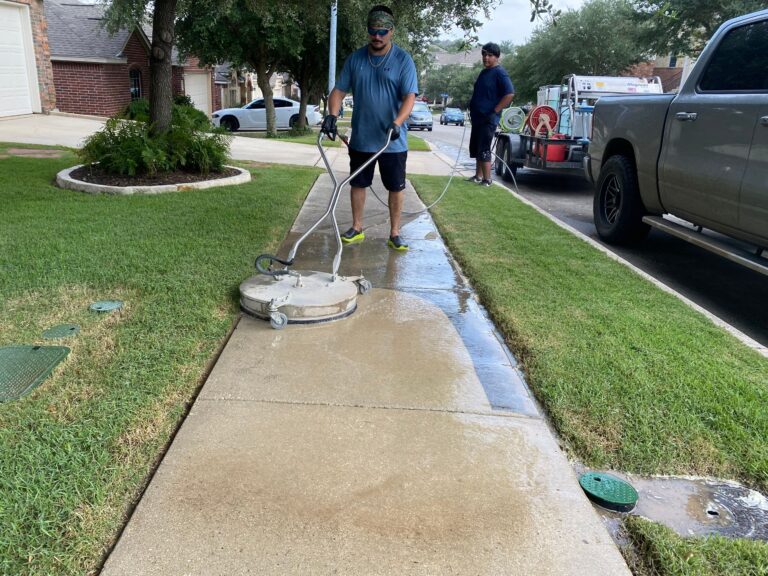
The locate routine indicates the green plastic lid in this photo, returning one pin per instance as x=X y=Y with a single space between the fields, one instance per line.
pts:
x=61 y=331
x=608 y=491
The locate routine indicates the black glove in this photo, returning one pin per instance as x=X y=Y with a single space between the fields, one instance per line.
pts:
x=395 y=132
x=329 y=126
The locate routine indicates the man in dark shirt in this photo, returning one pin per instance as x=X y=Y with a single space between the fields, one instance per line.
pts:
x=493 y=92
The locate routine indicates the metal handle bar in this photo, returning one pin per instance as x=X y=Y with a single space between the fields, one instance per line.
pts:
x=335 y=199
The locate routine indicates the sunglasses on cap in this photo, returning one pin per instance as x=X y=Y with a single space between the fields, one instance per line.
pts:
x=379 y=31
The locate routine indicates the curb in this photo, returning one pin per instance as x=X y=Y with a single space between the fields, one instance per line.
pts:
x=64 y=180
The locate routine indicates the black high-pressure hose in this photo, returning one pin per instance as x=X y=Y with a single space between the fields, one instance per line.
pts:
x=271 y=259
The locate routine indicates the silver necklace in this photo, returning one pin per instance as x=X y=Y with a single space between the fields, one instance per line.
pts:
x=384 y=59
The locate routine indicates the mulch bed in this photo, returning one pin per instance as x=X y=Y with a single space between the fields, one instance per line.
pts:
x=94 y=175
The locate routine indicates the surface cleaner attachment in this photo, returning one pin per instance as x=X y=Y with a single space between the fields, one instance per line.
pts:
x=285 y=296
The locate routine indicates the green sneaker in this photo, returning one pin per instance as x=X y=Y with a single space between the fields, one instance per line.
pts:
x=351 y=236
x=396 y=243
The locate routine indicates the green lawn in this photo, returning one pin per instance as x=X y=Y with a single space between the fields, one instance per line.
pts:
x=659 y=552
x=75 y=453
x=631 y=378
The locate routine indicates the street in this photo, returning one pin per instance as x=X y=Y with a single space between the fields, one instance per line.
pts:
x=727 y=290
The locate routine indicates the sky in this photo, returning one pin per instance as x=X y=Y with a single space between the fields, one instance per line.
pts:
x=511 y=21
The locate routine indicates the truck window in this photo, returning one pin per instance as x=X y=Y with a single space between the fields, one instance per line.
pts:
x=740 y=62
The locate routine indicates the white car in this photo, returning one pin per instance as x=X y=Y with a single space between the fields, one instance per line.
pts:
x=253 y=116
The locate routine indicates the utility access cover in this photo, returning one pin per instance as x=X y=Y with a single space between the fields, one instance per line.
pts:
x=61 y=331
x=608 y=491
x=106 y=305
x=22 y=368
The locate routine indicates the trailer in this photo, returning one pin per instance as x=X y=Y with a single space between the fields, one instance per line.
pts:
x=554 y=135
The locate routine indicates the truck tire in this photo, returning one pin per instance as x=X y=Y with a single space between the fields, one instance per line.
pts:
x=501 y=156
x=618 y=210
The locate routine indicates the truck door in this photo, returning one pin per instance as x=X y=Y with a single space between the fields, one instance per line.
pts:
x=753 y=209
x=753 y=215
x=709 y=131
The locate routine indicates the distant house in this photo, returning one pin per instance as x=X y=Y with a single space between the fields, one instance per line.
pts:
x=672 y=70
x=441 y=57
x=236 y=87
x=56 y=55
x=97 y=73
x=26 y=76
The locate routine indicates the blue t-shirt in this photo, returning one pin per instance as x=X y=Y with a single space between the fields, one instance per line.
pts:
x=492 y=85
x=379 y=85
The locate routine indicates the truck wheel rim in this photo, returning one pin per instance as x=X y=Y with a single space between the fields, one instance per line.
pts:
x=612 y=199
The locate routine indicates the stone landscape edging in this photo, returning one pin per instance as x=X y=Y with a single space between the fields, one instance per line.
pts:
x=64 y=180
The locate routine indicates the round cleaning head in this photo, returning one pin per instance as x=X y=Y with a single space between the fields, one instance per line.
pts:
x=304 y=297
x=608 y=491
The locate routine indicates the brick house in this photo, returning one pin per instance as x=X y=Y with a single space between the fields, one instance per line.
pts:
x=26 y=75
x=56 y=55
x=95 y=73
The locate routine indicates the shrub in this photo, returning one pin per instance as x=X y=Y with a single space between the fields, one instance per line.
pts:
x=183 y=100
x=137 y=110
x=197 y=118
x=182 y=109
x=196 y=150
x=126 y=145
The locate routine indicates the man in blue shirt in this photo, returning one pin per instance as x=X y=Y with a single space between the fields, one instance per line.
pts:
x=493 y=92
x=382 y=78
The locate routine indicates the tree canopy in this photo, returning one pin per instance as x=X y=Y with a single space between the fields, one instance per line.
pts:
x=455 y=80
x=684 y=26
x=602 y=38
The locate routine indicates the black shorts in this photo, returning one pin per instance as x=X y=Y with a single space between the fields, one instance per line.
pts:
x=480 y=141
x=391 y=168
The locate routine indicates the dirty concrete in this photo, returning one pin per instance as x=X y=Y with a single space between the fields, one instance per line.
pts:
x=401 y=439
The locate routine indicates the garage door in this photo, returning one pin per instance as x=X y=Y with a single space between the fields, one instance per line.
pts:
x=15 y=92
x=198 y=88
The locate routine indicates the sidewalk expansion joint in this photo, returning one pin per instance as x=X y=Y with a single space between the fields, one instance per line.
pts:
x=501 y=412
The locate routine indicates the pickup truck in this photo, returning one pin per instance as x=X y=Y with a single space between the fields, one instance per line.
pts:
x=692 y=162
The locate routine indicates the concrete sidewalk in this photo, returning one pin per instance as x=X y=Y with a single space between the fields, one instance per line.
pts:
x=400 y=440
x=69 y=130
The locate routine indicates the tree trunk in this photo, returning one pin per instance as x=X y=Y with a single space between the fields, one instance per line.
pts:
x=160 y=70
x=303 y=100
x=262 y=79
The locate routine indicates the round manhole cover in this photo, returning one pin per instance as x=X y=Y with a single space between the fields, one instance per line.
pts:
x=61 y=331
x=608 y=491
x=106 y=305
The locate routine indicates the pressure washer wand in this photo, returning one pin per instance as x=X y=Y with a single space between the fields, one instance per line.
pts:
x=331 y=210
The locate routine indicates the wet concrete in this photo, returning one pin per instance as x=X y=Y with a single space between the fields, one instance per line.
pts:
x=696 y=507
x=401 y=439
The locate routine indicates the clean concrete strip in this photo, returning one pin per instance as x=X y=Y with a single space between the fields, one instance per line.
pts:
x=65 y=180
x=756 y=346
x=370 y=445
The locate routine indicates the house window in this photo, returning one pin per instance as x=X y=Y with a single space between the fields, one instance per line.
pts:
x=135 y=78
x=672 y=61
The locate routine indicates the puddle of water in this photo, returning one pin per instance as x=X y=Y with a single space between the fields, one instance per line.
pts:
x=697 y=507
